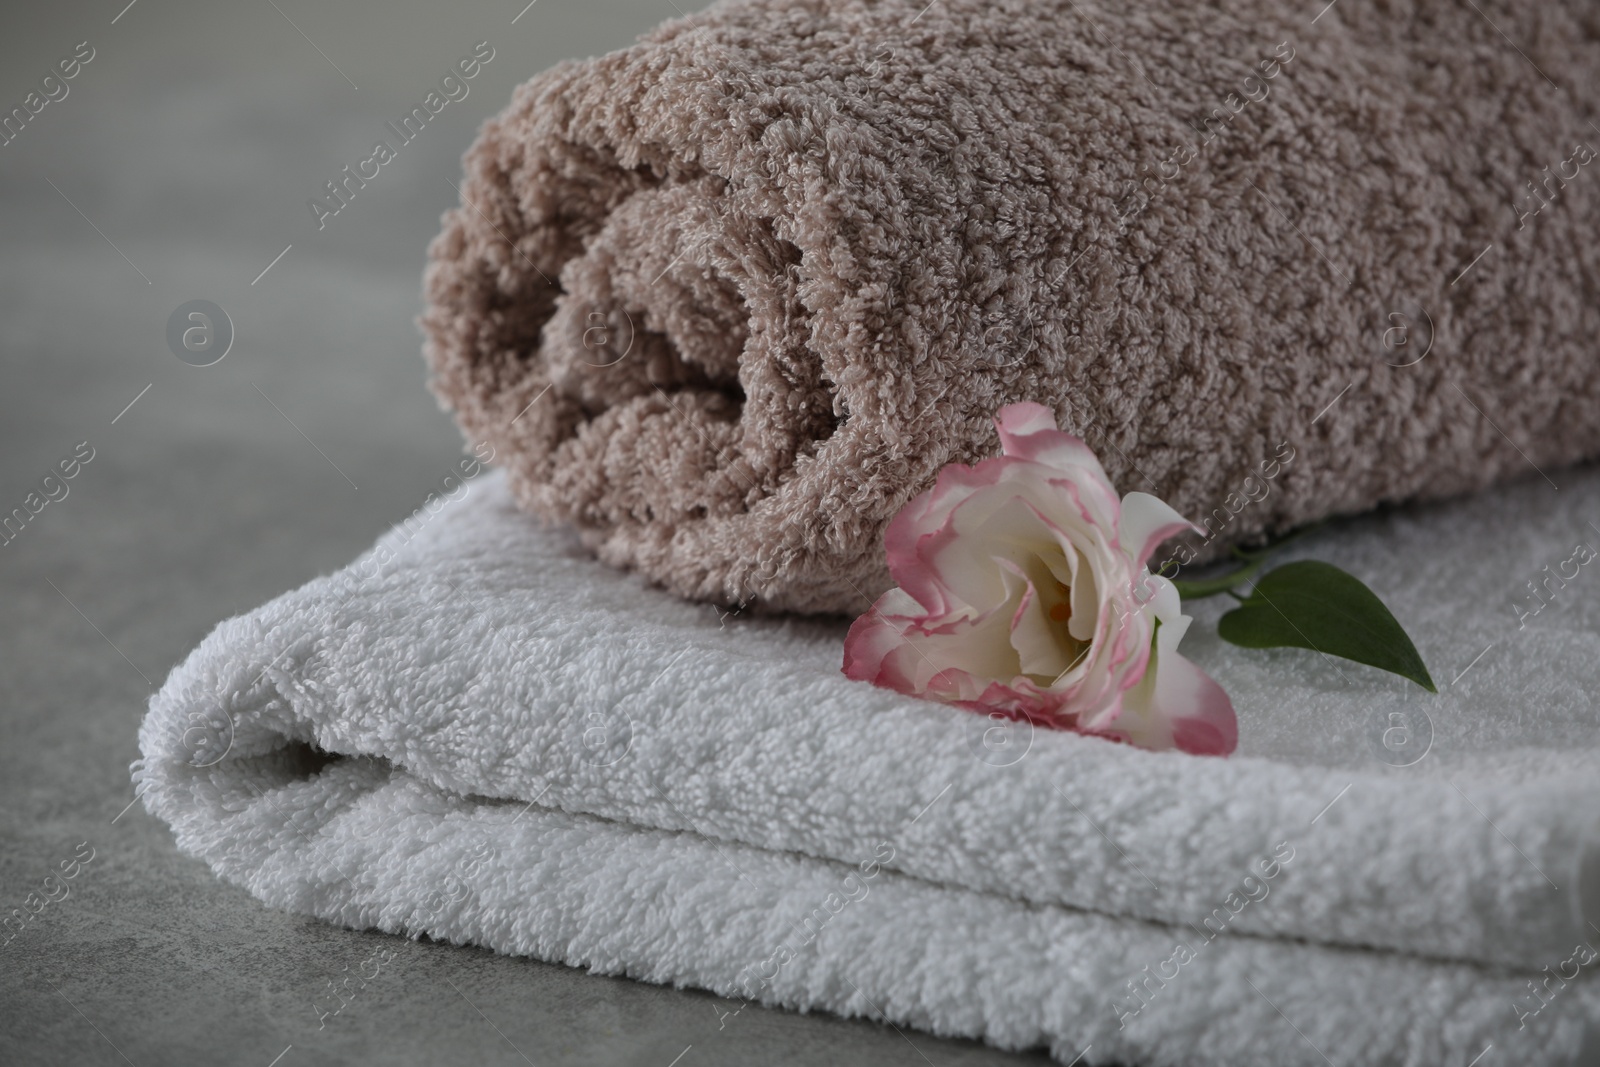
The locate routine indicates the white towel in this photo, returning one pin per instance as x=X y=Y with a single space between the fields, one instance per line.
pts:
x=477 y=733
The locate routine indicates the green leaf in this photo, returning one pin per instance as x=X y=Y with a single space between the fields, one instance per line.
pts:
x=1316 y=605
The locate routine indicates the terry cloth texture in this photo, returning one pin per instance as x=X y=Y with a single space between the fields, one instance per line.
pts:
x=727 y=299
x=479 y=733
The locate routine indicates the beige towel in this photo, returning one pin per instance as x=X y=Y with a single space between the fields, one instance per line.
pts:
x=727 y=299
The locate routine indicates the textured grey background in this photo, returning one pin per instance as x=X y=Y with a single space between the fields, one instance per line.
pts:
x=190 y=144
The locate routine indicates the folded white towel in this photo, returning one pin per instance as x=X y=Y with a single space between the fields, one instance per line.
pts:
x=476 y=732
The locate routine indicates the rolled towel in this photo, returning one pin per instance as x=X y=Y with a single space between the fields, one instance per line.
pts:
x=726 y=300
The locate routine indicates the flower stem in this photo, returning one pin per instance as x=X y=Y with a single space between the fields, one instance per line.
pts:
x=1216 y=586
x=1254 y=560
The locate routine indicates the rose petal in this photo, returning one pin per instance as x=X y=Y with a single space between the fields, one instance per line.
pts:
x=986 y=526
x=1085 y=594
x=1146 y=522
x=1176 y=704
x=1198 y=709
x=1040 y=652
x=926 y=514
x=898 y=604
x=870 y=640
x=1028 y=431
x=923 y=527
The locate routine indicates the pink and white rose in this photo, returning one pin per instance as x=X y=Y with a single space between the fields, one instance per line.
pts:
x=1024 y=590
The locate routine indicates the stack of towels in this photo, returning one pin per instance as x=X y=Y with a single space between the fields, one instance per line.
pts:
x=478 y=733
x=720 y=304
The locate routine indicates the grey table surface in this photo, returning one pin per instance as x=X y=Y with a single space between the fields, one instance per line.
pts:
x=177 y=167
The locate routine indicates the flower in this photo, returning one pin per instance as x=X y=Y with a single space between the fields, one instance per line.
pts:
x=1023 y=589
